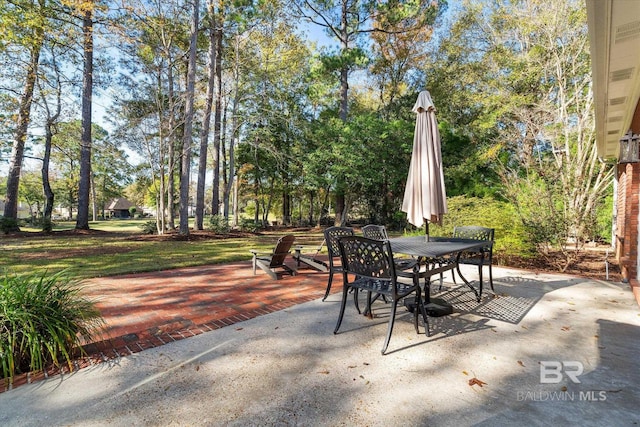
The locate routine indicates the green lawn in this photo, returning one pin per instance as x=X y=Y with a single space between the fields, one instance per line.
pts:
x=126 y=250
x=114 y=225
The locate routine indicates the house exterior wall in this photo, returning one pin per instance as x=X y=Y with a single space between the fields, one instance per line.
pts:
x=628 y=216
x=628 y=175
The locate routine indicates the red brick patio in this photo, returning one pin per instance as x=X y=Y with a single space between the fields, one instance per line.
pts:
x=146 y=310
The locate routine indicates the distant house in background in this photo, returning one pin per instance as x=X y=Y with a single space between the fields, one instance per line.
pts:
x=120 y=208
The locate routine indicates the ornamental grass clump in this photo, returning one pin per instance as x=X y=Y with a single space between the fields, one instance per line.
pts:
x=43 y=321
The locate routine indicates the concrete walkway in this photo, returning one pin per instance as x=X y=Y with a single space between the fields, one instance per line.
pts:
x=499 y=362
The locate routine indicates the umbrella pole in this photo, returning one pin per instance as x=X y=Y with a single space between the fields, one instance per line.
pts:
x=435 y=307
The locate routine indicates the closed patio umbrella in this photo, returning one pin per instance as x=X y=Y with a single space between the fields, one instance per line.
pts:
x=425 y=199
x=424 y=194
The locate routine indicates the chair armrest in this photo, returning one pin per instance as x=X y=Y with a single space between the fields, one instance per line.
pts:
x=256 y=253
x=307 y=251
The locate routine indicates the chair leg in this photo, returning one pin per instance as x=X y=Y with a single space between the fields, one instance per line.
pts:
x=272 y=273
x=480 y=276
x=291 y=271
x=425 y=318
x=326 y=294
x=265 y=267
x=415 y=312
x=343 y=305
x=394 y=305
x=491 y=278
x=369 y=302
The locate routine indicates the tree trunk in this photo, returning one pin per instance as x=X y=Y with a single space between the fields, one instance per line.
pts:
x=82 y=220
x=215 y=199
x=94 y=199
x=162 y=138
x=286 y=206
x=46 y=185
x=171 y=161
x=344 y=110
x=311 y=202
x=234 y=125
x=49 y=196
x=188 y=124
x=206 y=122
x=267 y=209
x=24 y=116
x=236 y=214
x=325 y=202
x=225 y=165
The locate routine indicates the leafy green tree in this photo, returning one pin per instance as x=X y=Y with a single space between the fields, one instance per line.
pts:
x=273 y=67
x=31 y=193
x=517 y=76
x=349 y=21
x=148 y=114
x=110 y=171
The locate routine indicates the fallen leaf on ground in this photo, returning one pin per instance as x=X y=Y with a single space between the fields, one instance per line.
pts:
x=565 y=328
x=323 y=372
x=465 y=372
x=520 y=363
x=474 y=381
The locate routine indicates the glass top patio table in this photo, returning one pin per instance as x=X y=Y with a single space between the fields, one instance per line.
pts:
x=435 y=247
x=443 y=251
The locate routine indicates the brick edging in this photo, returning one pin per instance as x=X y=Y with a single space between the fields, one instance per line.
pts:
x=132 y=343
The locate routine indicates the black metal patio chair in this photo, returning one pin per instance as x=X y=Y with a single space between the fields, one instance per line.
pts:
x=481 y=257
x=368 y=265
x=331 y=237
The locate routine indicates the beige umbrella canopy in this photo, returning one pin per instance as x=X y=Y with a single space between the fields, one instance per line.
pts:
x=424 y=194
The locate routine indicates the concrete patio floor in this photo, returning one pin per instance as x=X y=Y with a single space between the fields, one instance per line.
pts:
x=515 y=358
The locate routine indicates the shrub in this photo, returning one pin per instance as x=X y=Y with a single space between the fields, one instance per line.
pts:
x=511 y=239
x=43 y=320
x=45 y=224
x=149 y=227
x=8 y=225
x=248 y=225
x=219 y=224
